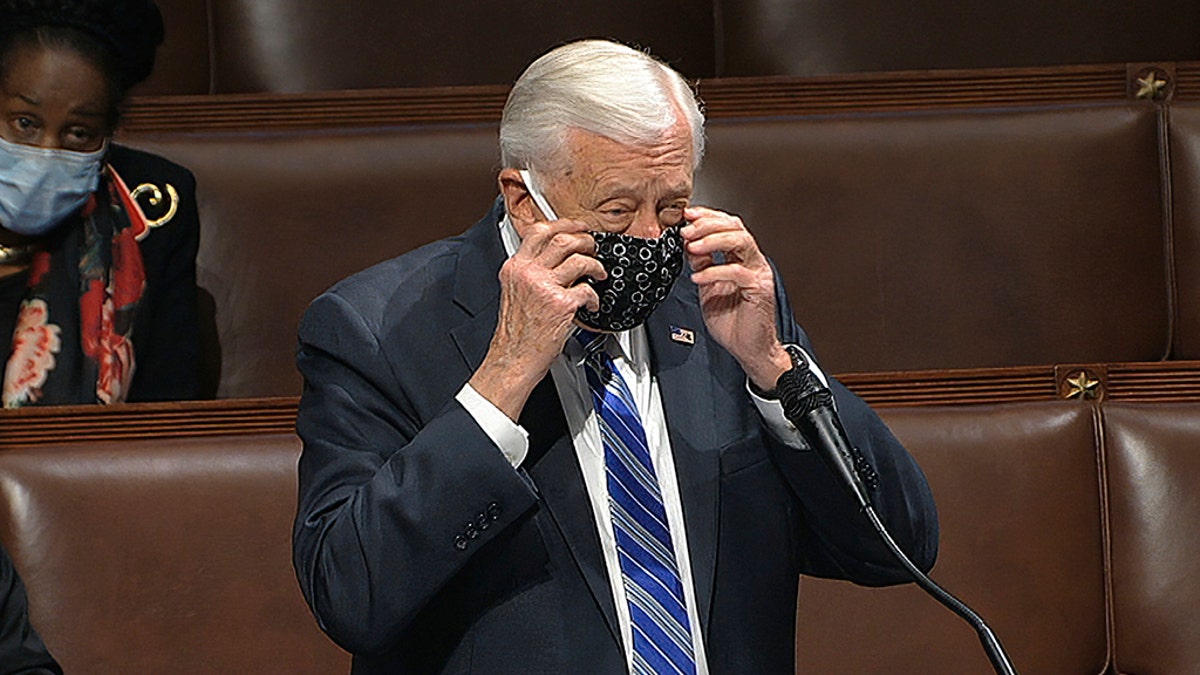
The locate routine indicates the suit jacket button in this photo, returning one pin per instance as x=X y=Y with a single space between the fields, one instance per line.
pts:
x=460 y=543
x=493 y=511
x=472 y=532
x=482 y=521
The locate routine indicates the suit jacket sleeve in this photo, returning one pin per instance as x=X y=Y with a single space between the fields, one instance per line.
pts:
x=22 y=651
x=839 y=541
x=393 y=502
x=166 y=333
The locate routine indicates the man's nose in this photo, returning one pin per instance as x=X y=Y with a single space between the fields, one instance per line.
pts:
x=645 y=224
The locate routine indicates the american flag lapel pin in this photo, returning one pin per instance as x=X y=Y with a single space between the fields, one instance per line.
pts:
x=684 y=336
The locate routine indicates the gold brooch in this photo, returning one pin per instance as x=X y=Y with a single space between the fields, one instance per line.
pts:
x=155 y=198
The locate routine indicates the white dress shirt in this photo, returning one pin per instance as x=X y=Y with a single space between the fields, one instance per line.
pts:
x=630 y=352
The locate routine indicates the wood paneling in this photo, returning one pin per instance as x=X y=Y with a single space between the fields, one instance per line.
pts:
x=727 y=97
x=134 y=421
x=1131 y=382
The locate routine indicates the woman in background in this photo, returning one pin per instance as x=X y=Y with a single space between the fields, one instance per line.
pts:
x=98 y=296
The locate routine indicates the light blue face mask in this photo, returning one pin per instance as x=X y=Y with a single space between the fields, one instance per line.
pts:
x=40 y=187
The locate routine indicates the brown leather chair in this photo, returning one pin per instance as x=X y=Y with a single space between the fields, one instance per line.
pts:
x=163 y=556
x=1067 y=526
x=1018 y=495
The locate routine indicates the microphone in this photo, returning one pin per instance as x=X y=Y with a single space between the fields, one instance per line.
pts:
x=808 y=405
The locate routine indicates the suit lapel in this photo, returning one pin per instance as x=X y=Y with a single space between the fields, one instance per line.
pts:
x=551 y=461
x=685 y=377
x=477 y=287
x=555 y=469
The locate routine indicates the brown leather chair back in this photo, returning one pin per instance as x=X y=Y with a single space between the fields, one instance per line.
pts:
x=284 y=216
x=908 y=241
x=288 y=46
x=958 y=239
x=813 y=37
x=182 y=64
x=274 y=45
x=1018 y=495
x=1154 y=499
x=1184 y=132
x=170 y=556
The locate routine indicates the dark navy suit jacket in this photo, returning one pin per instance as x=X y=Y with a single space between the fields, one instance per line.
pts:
x=421 y=550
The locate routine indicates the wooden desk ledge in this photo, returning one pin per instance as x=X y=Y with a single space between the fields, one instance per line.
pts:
x=1168 y=381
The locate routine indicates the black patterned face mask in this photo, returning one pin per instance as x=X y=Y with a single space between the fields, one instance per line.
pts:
x=641 y=272
x=640 y=275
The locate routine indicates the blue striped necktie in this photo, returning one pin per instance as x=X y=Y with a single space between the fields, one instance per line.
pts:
x=662 y=639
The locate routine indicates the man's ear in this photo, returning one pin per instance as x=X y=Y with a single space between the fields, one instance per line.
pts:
x=518 y=203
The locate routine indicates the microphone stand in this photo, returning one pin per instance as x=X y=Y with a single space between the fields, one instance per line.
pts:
x=808 y=404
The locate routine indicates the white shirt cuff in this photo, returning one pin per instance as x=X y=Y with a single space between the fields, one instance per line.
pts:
x=512 y=440
x=772 y=415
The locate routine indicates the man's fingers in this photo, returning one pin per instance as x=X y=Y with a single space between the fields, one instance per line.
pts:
x=704 y=221
x=716 y=239
x=737 y=274
x=737 y=242
x=585 y=296
x=577 y=266
x=566 y=245
x=555 y=240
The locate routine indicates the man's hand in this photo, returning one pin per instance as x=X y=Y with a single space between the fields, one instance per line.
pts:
x=737 y=296
x=539 y=296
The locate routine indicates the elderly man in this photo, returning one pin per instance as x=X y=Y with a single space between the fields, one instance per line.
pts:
x=532 y=448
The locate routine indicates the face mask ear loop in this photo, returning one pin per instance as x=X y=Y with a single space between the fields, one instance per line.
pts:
x=537 y=196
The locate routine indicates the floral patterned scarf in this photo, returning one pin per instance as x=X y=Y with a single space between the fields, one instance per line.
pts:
x=72 y=341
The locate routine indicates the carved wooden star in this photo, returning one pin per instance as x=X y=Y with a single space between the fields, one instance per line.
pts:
x=1083 y=386
x=1150 y=86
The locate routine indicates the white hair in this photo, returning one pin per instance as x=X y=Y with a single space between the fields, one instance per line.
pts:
x=596 y=86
